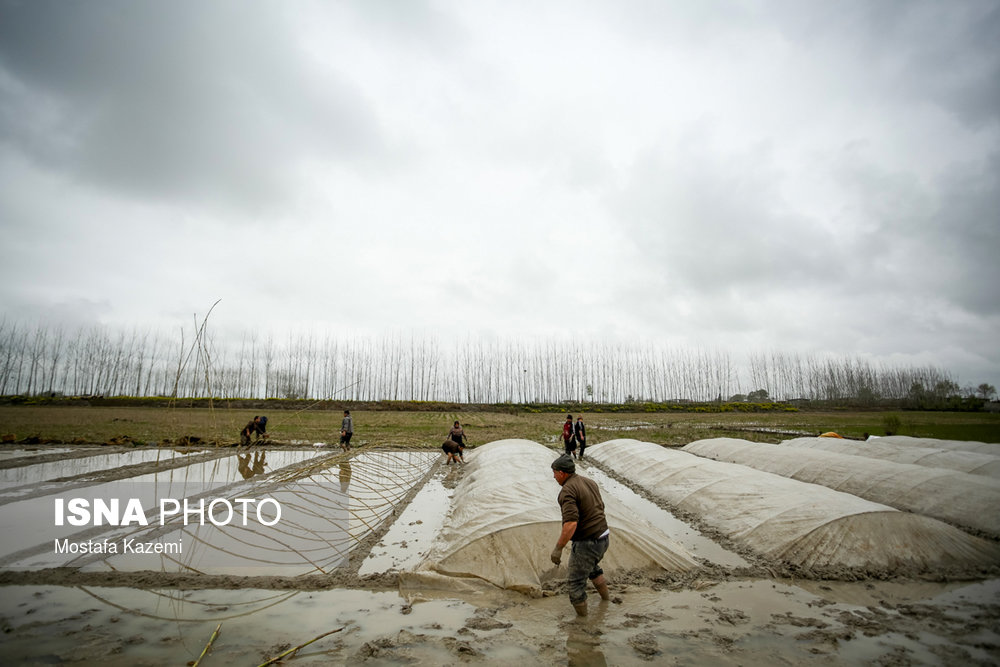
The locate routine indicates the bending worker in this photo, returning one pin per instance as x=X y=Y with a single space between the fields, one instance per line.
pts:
x=257 y=426
x=584 y=523
x=454 y=450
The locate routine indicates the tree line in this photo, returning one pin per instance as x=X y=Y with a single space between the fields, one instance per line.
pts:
x=41 y=359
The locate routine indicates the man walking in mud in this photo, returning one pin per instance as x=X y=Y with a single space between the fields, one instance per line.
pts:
x=580 y=433
x=346 y=431
x=569 y=439
x=584 y=523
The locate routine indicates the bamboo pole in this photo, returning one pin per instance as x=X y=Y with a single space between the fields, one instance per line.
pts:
x=207 y=646
x=295 y=649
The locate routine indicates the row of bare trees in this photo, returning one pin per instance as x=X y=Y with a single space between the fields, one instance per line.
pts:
x=41 y=359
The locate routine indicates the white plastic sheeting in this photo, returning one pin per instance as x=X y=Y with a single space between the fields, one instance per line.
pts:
x=974 y=463
x=803 y=524
x=949 y=495
x=934 y=443
x=505 y=521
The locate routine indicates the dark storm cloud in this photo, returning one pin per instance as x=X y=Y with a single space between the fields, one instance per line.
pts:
x=188 y=100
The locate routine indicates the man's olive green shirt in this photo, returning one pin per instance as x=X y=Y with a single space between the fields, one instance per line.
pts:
x=580 y=501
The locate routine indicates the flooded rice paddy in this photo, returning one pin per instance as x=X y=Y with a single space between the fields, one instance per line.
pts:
x=348 y=522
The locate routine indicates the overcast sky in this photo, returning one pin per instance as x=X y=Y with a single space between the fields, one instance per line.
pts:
x=800 y=176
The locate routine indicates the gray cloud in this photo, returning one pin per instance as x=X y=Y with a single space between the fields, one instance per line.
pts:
x=191 y=101
x=923 y=51
x=756 y=174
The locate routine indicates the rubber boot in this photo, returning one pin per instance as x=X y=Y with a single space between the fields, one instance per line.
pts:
x=581 y=608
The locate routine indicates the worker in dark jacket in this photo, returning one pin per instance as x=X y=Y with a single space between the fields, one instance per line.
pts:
x=569 y=440
x=257 y=427
x=346 y=430
x=454 y=450
x=580 y=433
x=584 y=523
x=457 y=434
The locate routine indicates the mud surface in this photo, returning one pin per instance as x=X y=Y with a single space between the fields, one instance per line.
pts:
x=761 y=613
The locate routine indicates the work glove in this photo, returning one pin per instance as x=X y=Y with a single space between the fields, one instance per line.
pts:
x=556 y=556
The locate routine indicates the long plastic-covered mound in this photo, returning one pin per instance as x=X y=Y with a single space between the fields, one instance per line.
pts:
x=933 y=443
x=505 y=521
x=803 y=524
x=974 y=463
x=949 y=495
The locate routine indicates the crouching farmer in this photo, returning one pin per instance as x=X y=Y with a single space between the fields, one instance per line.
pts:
x=584 y=523
x=257 y=427
x=454 y=450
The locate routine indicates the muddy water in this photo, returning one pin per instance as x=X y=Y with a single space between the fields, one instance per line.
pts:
x=129 y=626
x=746 y=622
x=411 y=535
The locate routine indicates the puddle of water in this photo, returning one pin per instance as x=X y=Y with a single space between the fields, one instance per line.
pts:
x=30 y=524
x=411 y=536
x=624 y=426
x=43 y=472
x=6 y=454
x=680 y=532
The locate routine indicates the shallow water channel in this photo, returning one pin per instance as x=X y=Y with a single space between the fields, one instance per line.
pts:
x=11 y=479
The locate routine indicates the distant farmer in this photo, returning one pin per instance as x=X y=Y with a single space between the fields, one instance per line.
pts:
x=346 y=431
x=257 y=427
x=569 y=441
x=584 y=523
x=456 y=434
x=454 y=450
x=580 y=433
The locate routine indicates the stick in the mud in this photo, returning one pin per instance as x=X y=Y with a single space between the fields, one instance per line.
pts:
x=207 y=646
x=296 y=648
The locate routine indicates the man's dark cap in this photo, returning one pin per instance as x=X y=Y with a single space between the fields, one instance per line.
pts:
x=565 y=464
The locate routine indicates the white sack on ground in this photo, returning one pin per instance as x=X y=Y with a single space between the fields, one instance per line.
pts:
x=933 y=443
x=974 y=463
x=949 y=495
x=803 y=524
x=505 y=521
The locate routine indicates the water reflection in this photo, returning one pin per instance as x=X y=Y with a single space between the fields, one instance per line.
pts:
x=257 y=468
x=327 y=507
x=8 y=454
x=30 y=475
x=29 y=529
x=345 y=476
x=583 y=638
